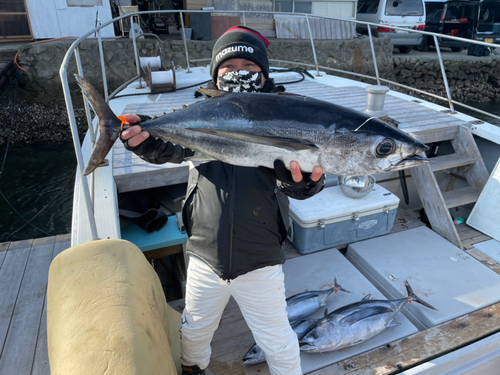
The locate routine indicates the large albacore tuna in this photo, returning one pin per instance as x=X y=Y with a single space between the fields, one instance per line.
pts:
x=255 y=129
x=355 y=323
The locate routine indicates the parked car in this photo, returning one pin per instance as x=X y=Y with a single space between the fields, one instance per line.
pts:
x=450 y=17
x=408 y=14
x=488 y=24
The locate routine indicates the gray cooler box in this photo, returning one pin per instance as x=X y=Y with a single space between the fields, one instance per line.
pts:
x=330 y=218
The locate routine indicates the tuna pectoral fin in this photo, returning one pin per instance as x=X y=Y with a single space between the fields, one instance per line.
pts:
x=109 y=124
x=366 y=313
x=280 y=142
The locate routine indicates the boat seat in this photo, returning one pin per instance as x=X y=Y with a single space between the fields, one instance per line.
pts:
x=157 y=244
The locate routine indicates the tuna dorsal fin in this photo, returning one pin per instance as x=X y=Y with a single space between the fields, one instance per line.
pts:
x=291 y=144
x=364 y=313
x=212 y=92
x=288 y=93
x=368 y=296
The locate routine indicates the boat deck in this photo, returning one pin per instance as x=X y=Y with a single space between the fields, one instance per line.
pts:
x=24 y=269
x=233 y=337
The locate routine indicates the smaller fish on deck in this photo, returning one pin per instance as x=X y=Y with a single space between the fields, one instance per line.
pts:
x=303 y=304
x=357 y=322
x=255 y=129
x=300 y=326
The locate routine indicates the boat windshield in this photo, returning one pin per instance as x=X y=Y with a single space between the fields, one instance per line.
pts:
x=404 y=8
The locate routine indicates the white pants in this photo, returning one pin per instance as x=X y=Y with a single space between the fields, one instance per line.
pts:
x=260 y=294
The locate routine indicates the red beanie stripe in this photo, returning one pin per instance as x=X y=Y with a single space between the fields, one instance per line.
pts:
x=258 y=35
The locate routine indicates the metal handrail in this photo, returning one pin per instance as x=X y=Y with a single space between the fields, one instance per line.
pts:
x=75 y=50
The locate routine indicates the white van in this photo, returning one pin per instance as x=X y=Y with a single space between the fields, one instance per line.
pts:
x=408 y=14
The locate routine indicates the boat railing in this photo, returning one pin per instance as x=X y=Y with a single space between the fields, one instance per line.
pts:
x=75 y=51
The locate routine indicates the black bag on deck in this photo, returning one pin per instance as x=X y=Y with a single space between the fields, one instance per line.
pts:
x=138 y=209
x=477 y=50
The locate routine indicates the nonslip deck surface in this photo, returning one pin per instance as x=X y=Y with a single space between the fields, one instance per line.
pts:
x=131 y=172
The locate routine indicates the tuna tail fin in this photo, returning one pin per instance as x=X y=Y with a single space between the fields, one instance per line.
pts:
x=338 y=287
x=413 y=297
x=110 y=125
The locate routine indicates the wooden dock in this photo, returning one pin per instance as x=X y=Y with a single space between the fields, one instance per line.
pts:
x=24 y=267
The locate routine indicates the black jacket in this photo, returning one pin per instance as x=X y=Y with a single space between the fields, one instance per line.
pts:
x=236 y=217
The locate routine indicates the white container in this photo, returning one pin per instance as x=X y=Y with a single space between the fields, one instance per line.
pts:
x=330 y=218
x=188 y=33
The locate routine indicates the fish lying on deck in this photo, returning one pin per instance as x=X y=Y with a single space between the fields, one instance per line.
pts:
x=300 y=326
x=255 y=129
x=355 y=323
x=305 y=303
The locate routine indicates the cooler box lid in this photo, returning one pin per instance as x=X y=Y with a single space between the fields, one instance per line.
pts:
x=332 y=205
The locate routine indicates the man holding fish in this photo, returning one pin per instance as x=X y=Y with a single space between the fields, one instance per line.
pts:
x=236 y=218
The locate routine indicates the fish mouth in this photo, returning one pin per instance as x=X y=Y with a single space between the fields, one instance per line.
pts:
x=411 y=161
x=305 y=347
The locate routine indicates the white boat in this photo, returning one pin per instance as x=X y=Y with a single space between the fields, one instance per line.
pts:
x=462 y=340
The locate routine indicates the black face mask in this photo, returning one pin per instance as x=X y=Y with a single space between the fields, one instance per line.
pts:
x=241 y=81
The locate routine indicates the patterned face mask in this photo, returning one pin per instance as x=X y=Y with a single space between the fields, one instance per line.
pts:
x=241 y=81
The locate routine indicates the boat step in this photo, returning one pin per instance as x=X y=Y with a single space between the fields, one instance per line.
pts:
x=462 y=196
x=450 y=161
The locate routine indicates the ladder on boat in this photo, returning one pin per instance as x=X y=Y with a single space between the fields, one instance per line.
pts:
x=467 y=159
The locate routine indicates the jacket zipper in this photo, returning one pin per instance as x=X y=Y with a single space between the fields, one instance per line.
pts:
x=232 y=199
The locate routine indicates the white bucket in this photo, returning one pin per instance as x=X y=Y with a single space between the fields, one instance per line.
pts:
x=188 y=33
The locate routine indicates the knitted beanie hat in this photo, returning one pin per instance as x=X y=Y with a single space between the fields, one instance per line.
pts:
x=242 y=43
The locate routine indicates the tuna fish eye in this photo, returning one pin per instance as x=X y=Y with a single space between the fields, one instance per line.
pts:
x=313 y=335
x=386 y=147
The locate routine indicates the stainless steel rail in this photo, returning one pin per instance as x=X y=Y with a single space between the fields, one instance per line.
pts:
x=74 y=50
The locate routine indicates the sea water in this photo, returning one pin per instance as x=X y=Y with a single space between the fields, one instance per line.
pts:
x=36 y=186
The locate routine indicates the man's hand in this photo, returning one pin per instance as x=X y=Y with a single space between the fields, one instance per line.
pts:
x=134 y=135
x=297 y=174
x=293 y=176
